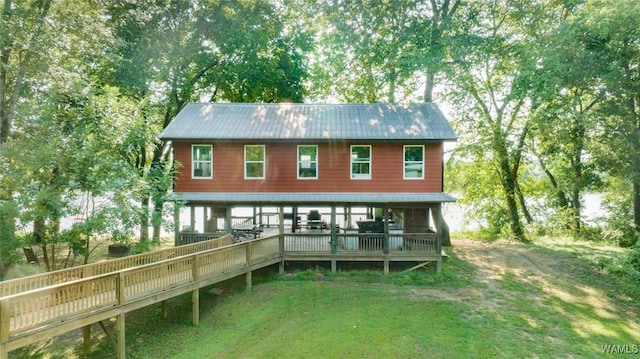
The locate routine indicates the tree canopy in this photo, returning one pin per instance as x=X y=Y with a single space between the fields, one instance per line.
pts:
x=544 y=96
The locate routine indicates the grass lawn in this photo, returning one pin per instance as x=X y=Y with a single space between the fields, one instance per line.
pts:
x=501 y=300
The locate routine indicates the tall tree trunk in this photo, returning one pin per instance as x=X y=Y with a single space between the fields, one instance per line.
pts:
x=523 y=204
x=563 y=203
x=155 y=176
x=576 y=211
x=509 y=187
x=636 y=207
x=144 y=221
x=635 y=169
x=508 y=180
x=428 y=87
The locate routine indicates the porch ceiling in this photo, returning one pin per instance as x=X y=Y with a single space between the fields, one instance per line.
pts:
x=289 y=198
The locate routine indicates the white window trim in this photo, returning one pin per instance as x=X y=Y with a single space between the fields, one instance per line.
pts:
x=193 y=168
x=264 y=162
x=404 y=163
x=311 y=161
x=360 y=176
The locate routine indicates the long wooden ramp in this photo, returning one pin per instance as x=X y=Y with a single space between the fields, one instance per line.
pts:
x=30 y=312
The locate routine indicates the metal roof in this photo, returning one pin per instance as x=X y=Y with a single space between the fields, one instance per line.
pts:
x=288 y=121
x=285 y=198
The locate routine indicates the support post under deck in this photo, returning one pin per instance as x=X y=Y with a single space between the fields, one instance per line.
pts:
x=437 y=212
x=120 y=328
x=164 y=308
x=86 y=339
x=334 y=240
x=195 y=306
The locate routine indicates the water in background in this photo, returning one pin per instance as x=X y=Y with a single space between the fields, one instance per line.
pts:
x=455 y=215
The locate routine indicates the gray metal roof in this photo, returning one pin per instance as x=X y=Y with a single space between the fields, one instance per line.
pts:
x=284 y=198
x=287 y=121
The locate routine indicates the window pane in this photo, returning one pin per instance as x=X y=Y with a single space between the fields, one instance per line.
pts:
x=255 y=153
x=360 y=168
x=309 y=152
x=413 y=171
x=413 y=153
x=202 y=169
x=202 y=153
x=309 y=171
x=360 y=153
x=255 y=169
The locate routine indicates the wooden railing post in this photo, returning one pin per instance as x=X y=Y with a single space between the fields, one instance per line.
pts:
x=4 y=321
x=120 y=285
x=281 y=249
x=249 y=251
x=195 y=263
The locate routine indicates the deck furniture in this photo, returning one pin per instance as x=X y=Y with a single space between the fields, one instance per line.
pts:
x=31 y=255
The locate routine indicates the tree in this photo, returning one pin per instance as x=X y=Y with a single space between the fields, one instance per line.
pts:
x=175 y=52
x=436 y=37
x=612 y=36
x=21 y=32
x=568 y=97
x=595 y=81
x=40 y=42
x=490 y=87
x=371 y=51
x=76 y=160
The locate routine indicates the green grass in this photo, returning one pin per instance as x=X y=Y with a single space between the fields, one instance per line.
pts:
x=365 y=314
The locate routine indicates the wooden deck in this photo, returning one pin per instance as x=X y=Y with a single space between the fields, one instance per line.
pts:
x=39 y=307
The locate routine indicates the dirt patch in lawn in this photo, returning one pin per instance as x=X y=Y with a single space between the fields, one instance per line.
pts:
x=497 y=264
x=555 y=275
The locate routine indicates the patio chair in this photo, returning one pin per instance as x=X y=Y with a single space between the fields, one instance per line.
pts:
x=31 y=255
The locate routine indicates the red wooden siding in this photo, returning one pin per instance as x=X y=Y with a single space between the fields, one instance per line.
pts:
x=333 y=169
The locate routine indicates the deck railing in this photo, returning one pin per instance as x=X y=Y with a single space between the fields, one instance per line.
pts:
x=293 y=242
x=24 y=284
x=360 y=242
x=21 y=312
x=102 y=290
x=185 y=238
x=307 y=242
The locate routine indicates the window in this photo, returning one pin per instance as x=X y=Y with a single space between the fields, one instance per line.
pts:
x=308 y=162
x=361 y=162
x=201 y=164
x=254 y=161
x=413 y=162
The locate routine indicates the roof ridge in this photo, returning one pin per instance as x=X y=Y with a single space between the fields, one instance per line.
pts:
x=305 y=121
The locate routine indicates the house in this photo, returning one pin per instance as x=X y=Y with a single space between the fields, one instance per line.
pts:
x=385 y=160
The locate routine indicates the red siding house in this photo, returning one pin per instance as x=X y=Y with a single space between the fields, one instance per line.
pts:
x=376 y=169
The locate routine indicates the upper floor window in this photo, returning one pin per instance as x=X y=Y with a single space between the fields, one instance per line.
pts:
x=254 y=159
x=308 y=162
x=413 y=162
x=361 y=162
x=201 y=161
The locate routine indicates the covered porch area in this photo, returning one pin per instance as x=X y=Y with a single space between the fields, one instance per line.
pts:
x=338 y=227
